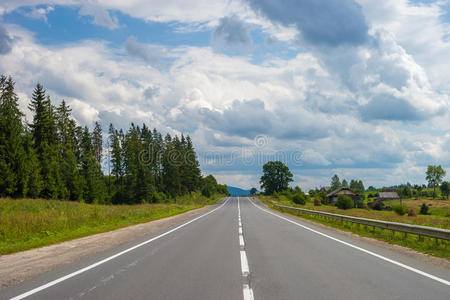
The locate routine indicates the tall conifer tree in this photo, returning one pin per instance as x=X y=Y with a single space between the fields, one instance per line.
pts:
x=13 y=179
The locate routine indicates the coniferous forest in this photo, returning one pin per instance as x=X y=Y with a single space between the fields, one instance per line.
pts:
x=53 y=157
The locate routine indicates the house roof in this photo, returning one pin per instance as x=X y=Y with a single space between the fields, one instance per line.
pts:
x=387 y=195
x=336 y=191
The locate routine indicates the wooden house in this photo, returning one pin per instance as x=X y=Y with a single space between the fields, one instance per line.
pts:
x=333 y=196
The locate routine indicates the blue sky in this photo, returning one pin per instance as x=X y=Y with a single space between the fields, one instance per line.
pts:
x=354 y=87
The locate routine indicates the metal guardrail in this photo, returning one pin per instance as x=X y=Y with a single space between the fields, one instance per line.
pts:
x=438 y=233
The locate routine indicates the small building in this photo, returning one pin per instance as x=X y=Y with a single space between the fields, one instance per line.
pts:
x=388 y=195
x=333 y=196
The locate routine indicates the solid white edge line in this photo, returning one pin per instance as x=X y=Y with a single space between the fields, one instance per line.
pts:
x=441 y=280
x=240 y=230
x=248 y=292
x=52 y=283
x=244 y=264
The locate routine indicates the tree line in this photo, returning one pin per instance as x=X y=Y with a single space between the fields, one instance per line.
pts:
x=55 y=158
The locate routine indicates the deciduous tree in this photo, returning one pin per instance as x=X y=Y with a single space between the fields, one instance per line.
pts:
x=434 y=176
x=276 y=177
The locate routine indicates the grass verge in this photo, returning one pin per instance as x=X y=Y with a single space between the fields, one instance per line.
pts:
x=427 y=245
x=32 y=223
x=439 y=211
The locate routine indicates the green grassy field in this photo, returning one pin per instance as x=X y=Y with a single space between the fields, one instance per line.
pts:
x=439 y=217
x=31 y=223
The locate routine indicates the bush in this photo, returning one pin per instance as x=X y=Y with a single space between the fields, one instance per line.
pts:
x=379 y=205
x=207 y=191
x=299 y=199
x=323 y=197
x=411 y=213
x=317 y=202
x=399 y=209
x=158 y=197
x=360 y=203
x=344 y=202
x=424 y=209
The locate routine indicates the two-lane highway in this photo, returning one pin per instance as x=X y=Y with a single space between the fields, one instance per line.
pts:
x=240 y=250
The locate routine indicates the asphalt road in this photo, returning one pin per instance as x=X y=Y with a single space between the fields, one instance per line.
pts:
x=242 y=251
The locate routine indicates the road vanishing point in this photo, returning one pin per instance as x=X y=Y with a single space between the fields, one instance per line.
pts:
x=242 y=250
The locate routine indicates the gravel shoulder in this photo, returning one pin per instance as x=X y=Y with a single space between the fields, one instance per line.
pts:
x=21 y=266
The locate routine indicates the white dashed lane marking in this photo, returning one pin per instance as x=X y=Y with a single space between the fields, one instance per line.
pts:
x=246 y=289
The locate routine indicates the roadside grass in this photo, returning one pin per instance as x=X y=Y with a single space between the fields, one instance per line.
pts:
x=32 y=223
x=440 y=208
x=427 y=245
x=439 y=211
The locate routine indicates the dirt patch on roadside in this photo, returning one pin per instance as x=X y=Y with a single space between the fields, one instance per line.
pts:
x=441 y=262
x=21 y=266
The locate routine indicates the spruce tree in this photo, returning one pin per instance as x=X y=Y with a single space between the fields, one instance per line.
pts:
x=157 y=156
x=97 y=142
x=68 y=146
x=194 y=174
x=45 y=139
x=135 y=179
x=33 y=171
x=335 y=182
x=94 y=186
x=117 y=169
x=13 y=179
x=171 y=180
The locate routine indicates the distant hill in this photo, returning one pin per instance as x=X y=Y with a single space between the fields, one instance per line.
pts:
x=234 y=191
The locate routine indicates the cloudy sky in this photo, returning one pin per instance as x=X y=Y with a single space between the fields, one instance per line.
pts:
x=354 y=87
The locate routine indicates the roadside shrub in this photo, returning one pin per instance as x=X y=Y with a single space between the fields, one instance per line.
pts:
x=206 y=191
x=399 y=209
x=299 y=199
x=323 y=197
x=379 y=205
x=317 y=202
x=360 y=203
x=158 y=197
x=424 y=209
x=365 y=206
x=344 y=202
x=411 y=213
